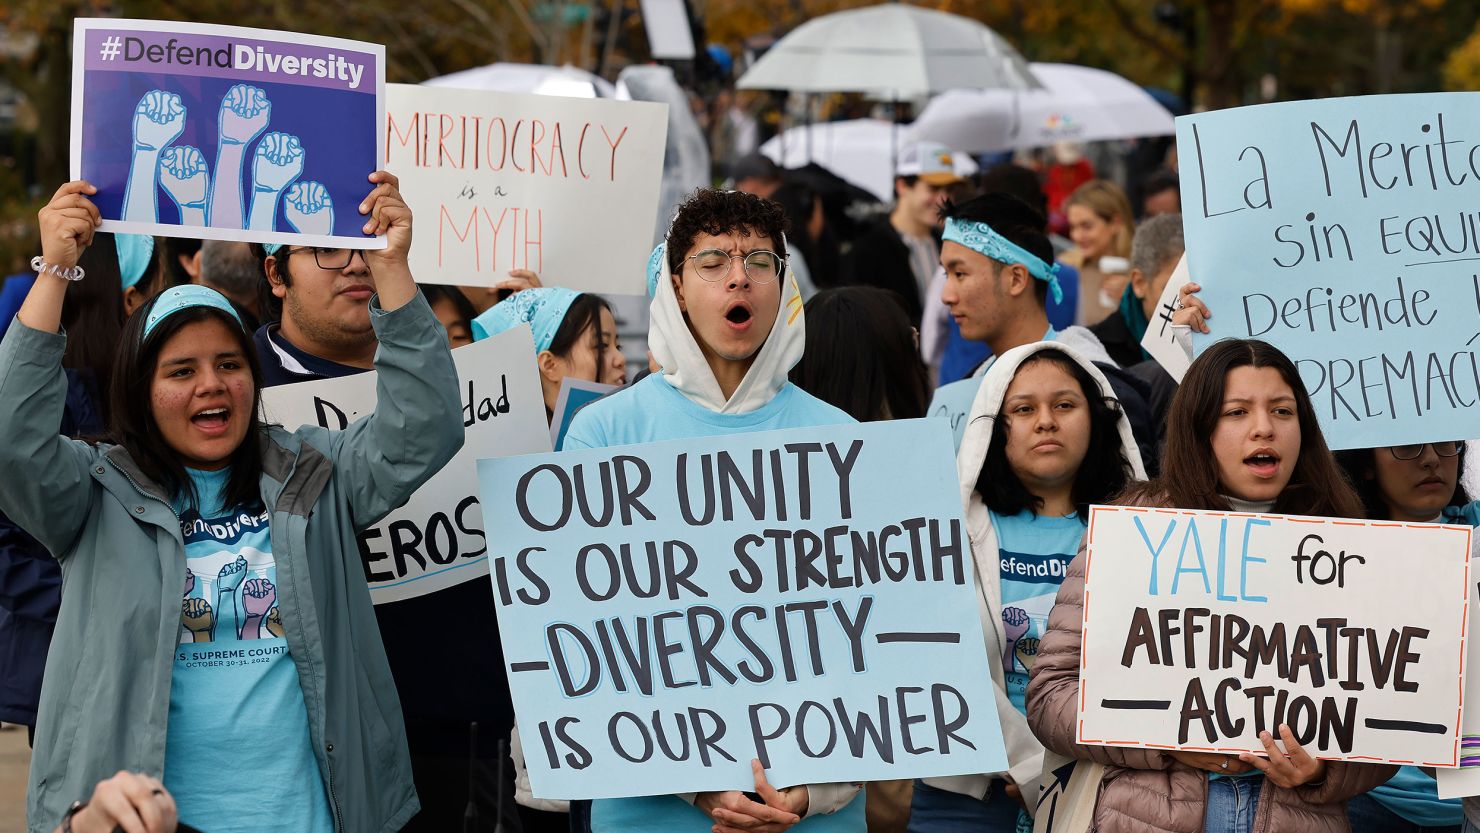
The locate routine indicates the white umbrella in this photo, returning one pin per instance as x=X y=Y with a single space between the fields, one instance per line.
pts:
x=1077 y=104
x=860 y=151
x=891 y=49
x=541 y=79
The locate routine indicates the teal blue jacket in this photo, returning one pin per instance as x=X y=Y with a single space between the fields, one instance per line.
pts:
x=105 y=698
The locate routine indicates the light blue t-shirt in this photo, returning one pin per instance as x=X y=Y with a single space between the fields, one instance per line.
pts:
x=1033 y=552
x=237 y=752
x=652 y=411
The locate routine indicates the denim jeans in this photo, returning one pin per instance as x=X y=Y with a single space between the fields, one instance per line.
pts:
x=942 y=811
x=1231 y=805
x=1367 y=815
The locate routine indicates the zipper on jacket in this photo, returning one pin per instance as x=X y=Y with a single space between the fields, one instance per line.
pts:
x=333 y=799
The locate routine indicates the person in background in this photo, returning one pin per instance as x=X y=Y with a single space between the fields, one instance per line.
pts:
x=575 y=334
x=1161 y=193
x=727 y=326
x=861 y=355
x=804 y=254
x=231 y=269
x=1242 y=437
x=1416 y=483
x=1045 y=439
x=1155 y=252
x=141 y=271
x=30 y=578
x=754 y=173
x=902 y=252
x=1065 y=171
x=454 y=311
x=1101 y=225
x=946 y=351
x=483 y=297
x=180 y=260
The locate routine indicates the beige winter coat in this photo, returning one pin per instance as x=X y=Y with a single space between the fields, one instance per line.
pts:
x=1146 y=791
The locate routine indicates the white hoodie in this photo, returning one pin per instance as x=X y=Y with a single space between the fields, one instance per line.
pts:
x=1024 y=752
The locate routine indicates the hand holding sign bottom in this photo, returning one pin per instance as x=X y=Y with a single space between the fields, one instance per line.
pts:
x=734 y=812
x=1290 y=768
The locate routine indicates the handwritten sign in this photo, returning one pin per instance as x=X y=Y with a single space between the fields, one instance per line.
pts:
x=565 y=187
x=1161 y=339
x=952 y=403
x=1343 y=231
x=1465 y=781
x=1202 y=629
x=226 y=133
x=671 y=611
x=437 y=540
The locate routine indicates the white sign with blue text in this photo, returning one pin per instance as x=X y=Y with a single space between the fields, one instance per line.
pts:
x=1344 y=232
x=1203 y=629
x=805 y=597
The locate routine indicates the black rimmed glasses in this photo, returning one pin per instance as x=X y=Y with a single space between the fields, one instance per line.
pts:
x=332 y=259
x=1447 y=448
x=761 y=265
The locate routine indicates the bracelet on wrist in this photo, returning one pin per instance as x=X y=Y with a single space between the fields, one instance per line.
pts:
x=72 y=811
x=43 y=268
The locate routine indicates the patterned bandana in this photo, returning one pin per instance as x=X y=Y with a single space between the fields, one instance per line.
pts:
x=983 y=239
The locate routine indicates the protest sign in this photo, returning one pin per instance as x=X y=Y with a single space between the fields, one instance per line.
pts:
x=1343 y=231
x=437 y=539
x=1465 y=781
x=574 y=395
x=952 y=403
x=1161 y=339
x=566 y=187
x=1202 y=629
x=221 y=132
x=804 y=597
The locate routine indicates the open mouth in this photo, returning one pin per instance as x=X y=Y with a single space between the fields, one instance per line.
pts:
x=1264 y=463
x=212 y=419
x=738 y=315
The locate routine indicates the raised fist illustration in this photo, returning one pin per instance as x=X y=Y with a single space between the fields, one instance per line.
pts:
x=183 y=173
x=309 y=208
x=231 y=576
x=244 y=113
x=278 y=161
x=158 y=120
x=198 y=618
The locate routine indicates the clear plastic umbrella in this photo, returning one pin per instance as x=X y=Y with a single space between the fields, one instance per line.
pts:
x=892 y=50
x=1077 y=104
x=860 y=151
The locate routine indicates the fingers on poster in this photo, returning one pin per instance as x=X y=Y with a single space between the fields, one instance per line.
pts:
x=183 y=173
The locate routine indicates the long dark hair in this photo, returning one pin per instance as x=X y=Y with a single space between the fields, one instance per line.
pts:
x=1189 y=469
x=92 y=315
x=131 y=419
x=584 y=311
x=1361 y=470
x=1101 y=474
x=861 y=357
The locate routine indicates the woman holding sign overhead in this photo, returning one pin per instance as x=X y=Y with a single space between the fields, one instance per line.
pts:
x=1241 y=436
x=216 y=632
x=1045 y=439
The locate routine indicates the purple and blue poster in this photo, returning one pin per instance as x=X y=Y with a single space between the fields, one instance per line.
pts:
x=221 y=132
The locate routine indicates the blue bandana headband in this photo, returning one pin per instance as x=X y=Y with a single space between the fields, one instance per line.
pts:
x=134 y=253
x=983 y=239
x=542 y=308
x=189 y=295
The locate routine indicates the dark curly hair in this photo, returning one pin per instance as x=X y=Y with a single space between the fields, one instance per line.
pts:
x=1102 y=473
x=710 y=211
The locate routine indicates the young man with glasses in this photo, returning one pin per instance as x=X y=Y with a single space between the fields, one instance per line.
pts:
x=448 y=678
x=727 y=327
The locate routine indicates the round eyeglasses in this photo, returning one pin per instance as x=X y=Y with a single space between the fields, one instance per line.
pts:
x=1447 y=448
x=761 y=266
x=331 y=259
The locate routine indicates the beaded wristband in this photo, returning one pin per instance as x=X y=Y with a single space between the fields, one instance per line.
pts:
x=42 y=267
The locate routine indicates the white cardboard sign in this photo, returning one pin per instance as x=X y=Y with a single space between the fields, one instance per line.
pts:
x=565 y=187
x=437 y=539
x=1160 y=338
x=1203 y=628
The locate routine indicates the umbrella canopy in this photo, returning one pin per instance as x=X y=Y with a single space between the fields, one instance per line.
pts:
x=891 y=49
x=860 y=151
x=568 y=81
x=1077 y=104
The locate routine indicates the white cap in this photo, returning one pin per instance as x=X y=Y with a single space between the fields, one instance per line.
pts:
x=931 y=162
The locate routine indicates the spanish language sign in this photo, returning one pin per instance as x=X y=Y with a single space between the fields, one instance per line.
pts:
x=1202 y=629
x=437 y=539
x=196 y=130
x=671 y=611
x=1344 y=232
x=565 y=187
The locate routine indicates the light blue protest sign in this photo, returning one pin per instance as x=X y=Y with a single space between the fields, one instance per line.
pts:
x=671 y=611
x=1345 y=232
x=952 y=403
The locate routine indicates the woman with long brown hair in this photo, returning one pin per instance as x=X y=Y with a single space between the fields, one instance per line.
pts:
x=1241 y=436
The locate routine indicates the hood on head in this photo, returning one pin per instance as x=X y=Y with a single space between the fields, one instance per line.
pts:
x=677 y=351
x=988 y=403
